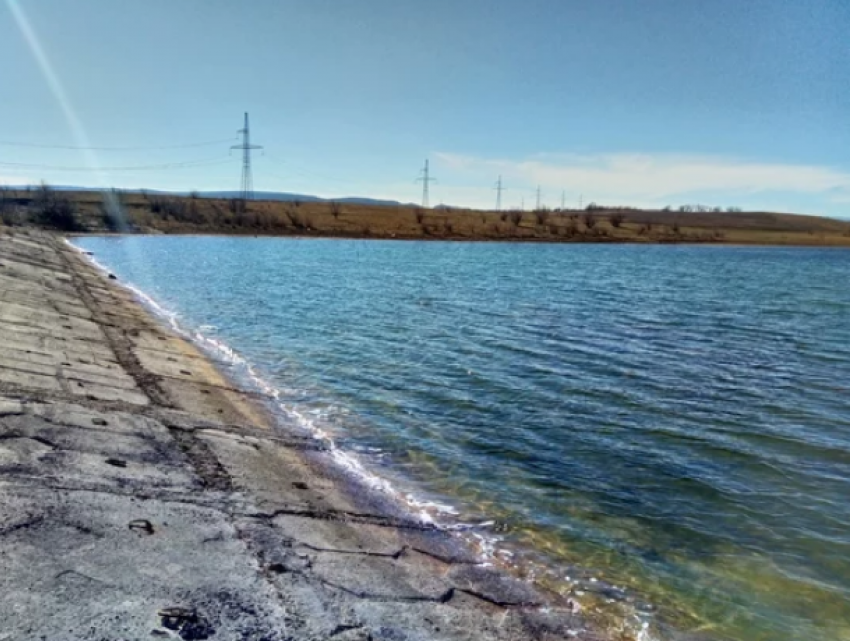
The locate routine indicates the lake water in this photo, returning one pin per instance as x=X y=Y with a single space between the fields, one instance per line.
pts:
x=661 y=431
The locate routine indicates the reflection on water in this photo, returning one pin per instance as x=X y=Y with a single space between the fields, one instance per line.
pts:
x=662 y=432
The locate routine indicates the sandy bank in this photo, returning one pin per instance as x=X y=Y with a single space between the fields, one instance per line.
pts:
x=143 y=496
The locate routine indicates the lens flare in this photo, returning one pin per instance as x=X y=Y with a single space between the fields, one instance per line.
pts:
x=55 y=85
x=111 y=202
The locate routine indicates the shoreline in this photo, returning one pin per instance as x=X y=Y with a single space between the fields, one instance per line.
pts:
x=366 y=486
x=404 y=499
x=430 y=239
x=298 y=541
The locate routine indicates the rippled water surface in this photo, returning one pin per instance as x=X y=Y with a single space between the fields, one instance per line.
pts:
x=663 y=432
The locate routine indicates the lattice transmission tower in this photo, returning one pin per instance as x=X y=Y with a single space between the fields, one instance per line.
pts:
x=426 y=179
x=247 y=190
x=499 y=189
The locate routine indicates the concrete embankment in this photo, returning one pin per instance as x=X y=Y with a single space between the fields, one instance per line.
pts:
x=143 y=496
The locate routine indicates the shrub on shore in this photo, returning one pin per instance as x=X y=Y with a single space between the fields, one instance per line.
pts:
x=54 y=211
x=9 y=216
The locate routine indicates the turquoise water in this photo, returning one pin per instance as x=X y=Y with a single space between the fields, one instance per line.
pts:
x=661 y=431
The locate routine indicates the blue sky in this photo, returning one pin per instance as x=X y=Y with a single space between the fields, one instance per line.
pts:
x=657 y=102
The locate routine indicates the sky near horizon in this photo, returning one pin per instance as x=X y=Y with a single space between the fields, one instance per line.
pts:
x=720 y=102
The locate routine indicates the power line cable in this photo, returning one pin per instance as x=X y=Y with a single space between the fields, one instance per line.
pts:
x=176 y=165
x=206 y=143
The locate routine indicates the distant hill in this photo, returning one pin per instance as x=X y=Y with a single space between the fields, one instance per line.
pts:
x=258 y=195
x=306 y=198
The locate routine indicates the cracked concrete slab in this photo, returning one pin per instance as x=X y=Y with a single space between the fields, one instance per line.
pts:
x=138 y=454
x=75 y=567
x=19 y=379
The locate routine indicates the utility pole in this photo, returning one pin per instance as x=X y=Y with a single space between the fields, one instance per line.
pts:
x=499 y=189
x=425 y=178
x=247 y=191
x=580 y=200
x=538 y=196
x=522 y=203
x=563 y=200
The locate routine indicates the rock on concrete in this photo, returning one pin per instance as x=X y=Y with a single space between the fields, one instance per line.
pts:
x=142 y=496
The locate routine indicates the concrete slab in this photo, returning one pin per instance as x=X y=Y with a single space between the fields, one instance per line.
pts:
x=93 y=373
x=164 y=342
x=309 y=533
x=274 y=476
x=10 y=407
x=214 y=403
x=377 y=578
x=33 y=366
x=18 y=314
x=17 y=379
x=90 y=565
x=143 y=456
x=180 y=366
x=97 y=392
x=34 y=338
x=10 y=354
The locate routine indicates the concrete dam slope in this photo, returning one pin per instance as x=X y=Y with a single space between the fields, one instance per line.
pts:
x=144 y=496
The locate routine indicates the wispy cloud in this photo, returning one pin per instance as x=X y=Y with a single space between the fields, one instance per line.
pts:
x=654 y=178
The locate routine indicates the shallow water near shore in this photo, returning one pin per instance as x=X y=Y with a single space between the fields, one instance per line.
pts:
x=662 y=432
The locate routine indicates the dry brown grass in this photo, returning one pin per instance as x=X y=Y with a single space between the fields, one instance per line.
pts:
x=173 y=214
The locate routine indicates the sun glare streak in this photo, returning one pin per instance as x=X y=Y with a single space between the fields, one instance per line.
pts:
x=77 y=130
x=56 y=88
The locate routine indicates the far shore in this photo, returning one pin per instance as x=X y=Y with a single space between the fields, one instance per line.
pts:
x=82 y=212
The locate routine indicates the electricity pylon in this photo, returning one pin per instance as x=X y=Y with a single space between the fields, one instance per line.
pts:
x=247 y=191
x=499 y=189
x=425 y=178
